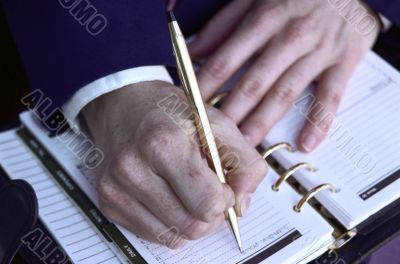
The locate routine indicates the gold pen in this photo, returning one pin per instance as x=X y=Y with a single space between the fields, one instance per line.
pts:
x=192 y=91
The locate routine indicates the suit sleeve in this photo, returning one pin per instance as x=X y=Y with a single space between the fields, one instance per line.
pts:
x=389 y=8
x=66 y=44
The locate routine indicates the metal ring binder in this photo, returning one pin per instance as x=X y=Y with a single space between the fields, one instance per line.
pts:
x=276 y=147
x=343 y=240
x=291 y=171
x=216 y=98
x=312 y=193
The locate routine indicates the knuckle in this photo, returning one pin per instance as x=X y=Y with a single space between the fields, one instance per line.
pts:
x=296 y=76
x=284 y=93
x=325 y=45
x=217 y=68
x=298 y=29
x=211 y=205
x=325 y=124
x=105 y=192
x=334 y=97
x=259 y=125
x=122 y=166
x=194 y=230
x=251 y=89
x=330 y=55
x=264 y=12
x=159 y=141
x=257 y=20
x=260 y=168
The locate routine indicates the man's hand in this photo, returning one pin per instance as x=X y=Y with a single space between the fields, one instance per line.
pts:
x=294 y=42
x=155 y=181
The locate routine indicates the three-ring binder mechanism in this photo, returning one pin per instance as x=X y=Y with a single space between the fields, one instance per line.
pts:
x=288 y=173
x=341 y=237
x=304 y=165
x=217 y=98
x=291 y=171
x=266 y=153
x=312 y=193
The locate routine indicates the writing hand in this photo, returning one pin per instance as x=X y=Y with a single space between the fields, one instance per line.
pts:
x=155 y=181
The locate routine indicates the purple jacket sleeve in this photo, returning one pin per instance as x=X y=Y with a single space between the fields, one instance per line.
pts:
x=66 y=44
x=389 y=8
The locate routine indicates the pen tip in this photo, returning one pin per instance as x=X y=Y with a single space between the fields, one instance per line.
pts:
x=170 y=16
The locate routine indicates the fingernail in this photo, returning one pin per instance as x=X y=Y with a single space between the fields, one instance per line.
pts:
x=309 y=142
x=245 y=204
x=179 y=243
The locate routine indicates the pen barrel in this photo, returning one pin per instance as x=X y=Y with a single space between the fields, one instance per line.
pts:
x=192 y=91
x=206 y=137
x=232 y=221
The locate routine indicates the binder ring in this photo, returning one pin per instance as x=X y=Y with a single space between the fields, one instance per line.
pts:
x=276 y=147
x=216 y=98
x=312 y=193
x=291 y=171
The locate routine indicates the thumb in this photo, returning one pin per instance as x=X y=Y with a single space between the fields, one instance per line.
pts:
x=244 y=165
x=244 y=181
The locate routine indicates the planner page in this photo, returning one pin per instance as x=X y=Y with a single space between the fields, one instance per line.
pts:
x=67 y=224
x=361 y=154
x=272 y=232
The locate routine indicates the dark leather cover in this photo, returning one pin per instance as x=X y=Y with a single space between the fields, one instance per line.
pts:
x=373 y=234
x=18 y=215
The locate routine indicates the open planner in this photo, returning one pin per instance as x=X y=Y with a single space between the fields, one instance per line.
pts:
x=307 y=204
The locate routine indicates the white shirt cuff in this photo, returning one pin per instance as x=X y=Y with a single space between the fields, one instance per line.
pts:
x=109 y=83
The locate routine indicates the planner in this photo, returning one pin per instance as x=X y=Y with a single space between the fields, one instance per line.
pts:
x=361 y=154
x=307 y=205
x=272 y=231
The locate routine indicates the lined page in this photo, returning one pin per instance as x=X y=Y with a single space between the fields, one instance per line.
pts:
x=268 y=222
x=271 y=231
x=361 y=154
x=64 y=221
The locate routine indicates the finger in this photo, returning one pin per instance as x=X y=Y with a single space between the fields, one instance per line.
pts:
x=156 y=194
x=218 y=28
x=329 y=92
x=176 y=158
x=199 y=189
x=282 y=96
x=119 y=207
x=279 y=54
x=246 y=168
x=258 y=27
